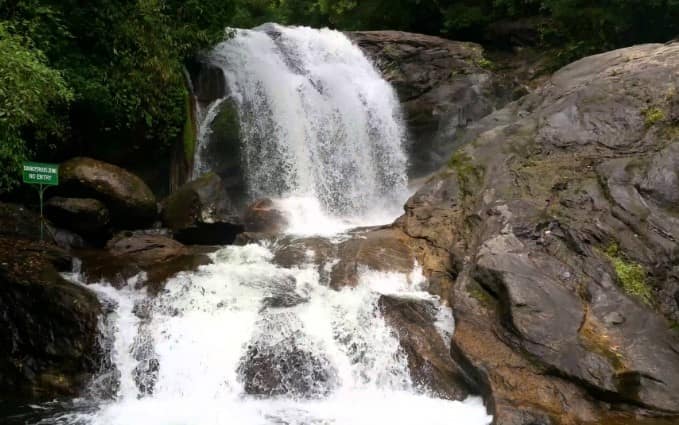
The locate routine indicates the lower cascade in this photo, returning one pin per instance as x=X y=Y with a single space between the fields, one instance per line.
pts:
x=245 y=341
x=252 y=340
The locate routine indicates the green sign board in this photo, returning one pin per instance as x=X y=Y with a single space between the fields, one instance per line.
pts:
x=41 y=173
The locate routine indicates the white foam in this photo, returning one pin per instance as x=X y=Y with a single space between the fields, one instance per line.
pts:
x=202 y=325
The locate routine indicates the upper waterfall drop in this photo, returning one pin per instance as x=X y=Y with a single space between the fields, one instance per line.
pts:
x=317 y=121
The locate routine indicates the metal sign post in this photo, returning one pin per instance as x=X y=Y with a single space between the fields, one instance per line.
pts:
x=44 y=175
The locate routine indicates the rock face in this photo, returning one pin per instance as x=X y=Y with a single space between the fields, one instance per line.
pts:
x=128 y=198
x=85 y=216
x=553 y=234
x=201 y=212
x=48 y=338
x=443 y=86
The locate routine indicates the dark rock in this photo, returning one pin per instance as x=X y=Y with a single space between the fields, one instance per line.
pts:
x=85 y=216
x=262 y=217
x=207 y=80
x=129 y=200
x=443 y=86
x=429 y=359
x=20 y=222
x=553 y=233
x=17 y=221
x=221 y=153
x=48 y=341
x=200 y=212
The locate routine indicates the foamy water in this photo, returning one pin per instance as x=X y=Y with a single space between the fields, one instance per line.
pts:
x=201 y=328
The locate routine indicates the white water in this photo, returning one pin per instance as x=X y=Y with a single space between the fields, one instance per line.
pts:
x=317 y=121
x=323 y=137
x=202 y=326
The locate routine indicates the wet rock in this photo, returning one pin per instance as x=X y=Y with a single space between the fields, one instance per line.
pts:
x=129 y=200
x=443 y=87
x=429 y=360
x=201 y=212
x=552 y=233
x=380 y=250
x=128 y=255
x=262 y=217
x=293 y=251
x=84 y=216
x=48 y=341
x=286 y=367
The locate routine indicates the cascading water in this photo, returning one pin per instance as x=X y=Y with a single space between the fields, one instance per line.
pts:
x=319 y=126
x=246 y=340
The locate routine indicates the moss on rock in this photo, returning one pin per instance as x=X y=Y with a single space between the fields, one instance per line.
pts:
x=632 y=276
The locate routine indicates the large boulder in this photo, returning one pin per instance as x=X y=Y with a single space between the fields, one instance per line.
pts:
x=552 y=233
x=443 y=86
x=49 y=336
x=201 y=212
x=85 y=216
x=129 y=200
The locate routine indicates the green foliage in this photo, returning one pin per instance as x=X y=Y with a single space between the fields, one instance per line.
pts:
x=632 y=276
x=29 y=89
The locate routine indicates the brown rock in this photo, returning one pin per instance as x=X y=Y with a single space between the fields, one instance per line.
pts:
x=262 y=217
x=129 y=199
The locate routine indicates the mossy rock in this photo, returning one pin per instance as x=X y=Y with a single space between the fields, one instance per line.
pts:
x=129 y=199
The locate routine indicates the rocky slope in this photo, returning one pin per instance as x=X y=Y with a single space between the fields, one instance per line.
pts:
x=553 y=234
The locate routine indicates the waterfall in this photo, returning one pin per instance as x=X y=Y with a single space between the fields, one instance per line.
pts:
x=317 y=121
x=249 y=341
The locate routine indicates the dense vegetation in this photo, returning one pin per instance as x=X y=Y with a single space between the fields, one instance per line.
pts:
x=104 y=77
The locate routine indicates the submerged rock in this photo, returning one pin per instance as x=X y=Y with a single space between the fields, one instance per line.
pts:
x=201 y=212
x=49 y=336
x=129 y=199
x=553 y=235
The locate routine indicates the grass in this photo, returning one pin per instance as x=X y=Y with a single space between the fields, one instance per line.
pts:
x=653 y=115
x=485 y=64
x=467 y=173
x=632 y=276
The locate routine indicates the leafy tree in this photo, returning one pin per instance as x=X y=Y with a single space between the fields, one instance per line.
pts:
x=29 y=89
